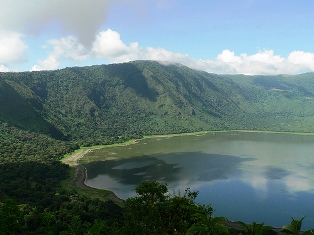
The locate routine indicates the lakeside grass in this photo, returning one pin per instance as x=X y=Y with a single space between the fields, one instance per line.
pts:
x=133 y=141
x=272 y=132
x=72 y=158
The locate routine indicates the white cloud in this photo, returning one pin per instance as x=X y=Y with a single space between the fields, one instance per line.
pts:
x=227 y=56
x=84 y=18
x=298 y=183
x=51 y=63
x=12 y=48
x=109 y=46
x=4 y=68
x=67 y=48
x=263 y=62
x=70 y=48
x=303 y=59
x=79 y=17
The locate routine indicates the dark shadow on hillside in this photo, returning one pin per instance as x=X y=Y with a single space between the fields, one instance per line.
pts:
x=170 y=167
x=133 y=78
x=31 y=182
x=17 y=111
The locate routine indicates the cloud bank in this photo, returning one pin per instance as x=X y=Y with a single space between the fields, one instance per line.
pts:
x=12 y=47
x=82 y=18
x=75 y=25
x=67 y=48
x=108 y=46
x=3 y=68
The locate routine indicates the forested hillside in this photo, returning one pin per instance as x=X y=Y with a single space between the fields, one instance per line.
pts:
x=44 y=115
x=99 y=104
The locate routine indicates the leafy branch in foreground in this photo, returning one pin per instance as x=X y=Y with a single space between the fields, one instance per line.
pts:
x=155 y=211
x=255 y=228
x=295 y=226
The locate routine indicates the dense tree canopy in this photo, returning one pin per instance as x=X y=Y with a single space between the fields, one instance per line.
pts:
x=108 y=103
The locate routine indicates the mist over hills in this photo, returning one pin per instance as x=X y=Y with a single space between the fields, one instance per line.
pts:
x=102 y=103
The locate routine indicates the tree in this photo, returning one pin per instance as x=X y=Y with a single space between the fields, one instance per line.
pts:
x=208 y=225
x=295 y=226
x=99 y=227
x=155 y=211
x=255 y=228
x=10 y=218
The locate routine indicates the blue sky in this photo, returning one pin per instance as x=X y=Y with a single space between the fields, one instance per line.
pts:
x=218 y=36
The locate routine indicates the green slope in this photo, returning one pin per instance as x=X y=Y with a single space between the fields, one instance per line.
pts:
x=105 y=102
x=280 y=103
x=15 y=110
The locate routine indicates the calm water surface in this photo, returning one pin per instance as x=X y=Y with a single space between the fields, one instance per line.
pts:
x=250 y=177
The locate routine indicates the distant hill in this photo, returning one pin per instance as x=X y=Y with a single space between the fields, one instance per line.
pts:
x=105 y=102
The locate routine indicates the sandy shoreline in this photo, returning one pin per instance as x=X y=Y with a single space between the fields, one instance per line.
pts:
x=80 y=174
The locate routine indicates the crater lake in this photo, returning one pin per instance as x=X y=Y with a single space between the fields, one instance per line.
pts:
x=246 y=176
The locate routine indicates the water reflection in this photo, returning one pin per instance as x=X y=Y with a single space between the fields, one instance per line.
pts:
x=275 y=173
x=173 y=168
x=134 y=170
x=245 y=176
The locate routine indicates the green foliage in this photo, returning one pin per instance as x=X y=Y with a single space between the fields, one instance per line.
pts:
x=10 y=218
x=99 y=228
x=69 y=213
x=155 y=211
x=18 y=111
x=31 y=198
x=295 y=226
x=255 y=228
x=112 y=103
x=152 y=211
x=18 y=146
x=208 y=225
x=309 y=232
x=152 y=192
